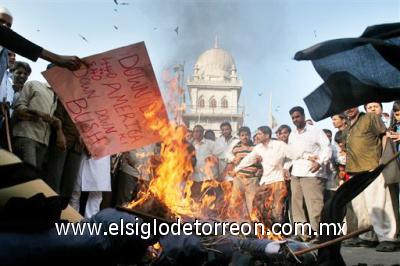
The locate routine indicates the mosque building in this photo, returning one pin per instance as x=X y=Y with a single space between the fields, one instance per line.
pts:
x=214 y=90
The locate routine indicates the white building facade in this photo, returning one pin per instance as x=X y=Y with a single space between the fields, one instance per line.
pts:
x=214 y=92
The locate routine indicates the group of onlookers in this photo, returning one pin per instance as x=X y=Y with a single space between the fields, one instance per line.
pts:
x=290 y=178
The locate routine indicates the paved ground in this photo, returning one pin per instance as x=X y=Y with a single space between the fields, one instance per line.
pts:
x=369 y=256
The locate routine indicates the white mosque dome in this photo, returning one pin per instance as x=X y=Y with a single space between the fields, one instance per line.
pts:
x=215 y=64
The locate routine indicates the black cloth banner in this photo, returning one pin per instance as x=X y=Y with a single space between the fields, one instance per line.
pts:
x=355 y=70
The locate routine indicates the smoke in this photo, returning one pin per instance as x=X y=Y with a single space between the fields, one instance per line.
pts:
x=249 y=30
x=254 y=32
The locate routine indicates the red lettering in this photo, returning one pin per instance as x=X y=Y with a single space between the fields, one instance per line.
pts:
x=127 y=116
x=96 y=137
x=103 y=116
x=142 y=91
x=121 y=99
x=80 y=118
x=86 y=127
x=134 y=73
x=76 y=106
x=83 y=71
x=101 y=113
x=121 y=109
x=114 y=86
x=110 y=129
x=129 y=61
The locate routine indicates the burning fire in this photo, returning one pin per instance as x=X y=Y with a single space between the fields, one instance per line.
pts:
x=171 y=184
x=155 y=250
x=265 y=234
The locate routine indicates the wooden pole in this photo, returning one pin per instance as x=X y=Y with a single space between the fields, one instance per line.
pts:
x=334 y=241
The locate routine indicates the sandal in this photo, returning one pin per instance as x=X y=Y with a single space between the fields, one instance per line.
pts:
x=386 y=246
x=357 y=242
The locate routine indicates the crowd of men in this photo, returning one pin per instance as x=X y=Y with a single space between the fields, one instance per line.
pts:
x=287 y=178
x=299 y=170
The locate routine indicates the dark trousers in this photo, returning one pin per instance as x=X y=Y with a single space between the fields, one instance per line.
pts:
x=128 y=187
x=62 y=170
x=30 y=151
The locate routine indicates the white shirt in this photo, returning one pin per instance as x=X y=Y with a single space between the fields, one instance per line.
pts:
x=273 y=155
x=229 y=157
x=6 y=88
x=95 y=175
x=204 y=149
x=311 y=141
x=223 y=148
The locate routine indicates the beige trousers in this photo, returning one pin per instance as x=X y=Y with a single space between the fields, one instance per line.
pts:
x=311 y=190
x=243 y=192
x=376 y=206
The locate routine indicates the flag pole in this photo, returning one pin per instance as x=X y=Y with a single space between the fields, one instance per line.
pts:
x=270 y=110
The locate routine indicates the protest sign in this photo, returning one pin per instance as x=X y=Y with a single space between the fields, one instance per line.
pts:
x=107 y=101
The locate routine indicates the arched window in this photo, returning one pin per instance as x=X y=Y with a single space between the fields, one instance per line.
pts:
x=201 y=102
x=213 y=103
x=224 y=103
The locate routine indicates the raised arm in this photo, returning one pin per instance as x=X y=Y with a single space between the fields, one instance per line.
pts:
x=18 y=44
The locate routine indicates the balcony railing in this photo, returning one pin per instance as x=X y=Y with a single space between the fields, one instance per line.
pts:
x=227 y=82
x=230 y=110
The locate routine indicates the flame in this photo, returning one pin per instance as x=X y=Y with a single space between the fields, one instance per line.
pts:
x=263 y=234
x=157 y=245
x=174 y=94
x=171 y=184
x=155 y=250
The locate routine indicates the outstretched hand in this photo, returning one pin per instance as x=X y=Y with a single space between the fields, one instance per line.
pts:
x=70 y=62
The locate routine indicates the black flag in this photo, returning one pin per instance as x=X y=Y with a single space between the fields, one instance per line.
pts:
x=334 y=212
x=355 y=70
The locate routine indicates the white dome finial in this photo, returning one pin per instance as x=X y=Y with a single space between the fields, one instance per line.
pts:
x=216 y=41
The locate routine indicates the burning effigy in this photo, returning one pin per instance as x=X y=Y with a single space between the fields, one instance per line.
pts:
x=169 y=198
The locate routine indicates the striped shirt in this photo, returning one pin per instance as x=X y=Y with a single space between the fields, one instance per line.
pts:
x=240 y=151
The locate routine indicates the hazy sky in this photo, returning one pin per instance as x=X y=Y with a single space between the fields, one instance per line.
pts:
x=262 y=36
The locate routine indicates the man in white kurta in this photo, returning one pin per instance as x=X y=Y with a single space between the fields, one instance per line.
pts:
x=310 y=150
x=269 y=200
x=223 y=148
x=95 y=177
x=206 y=161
